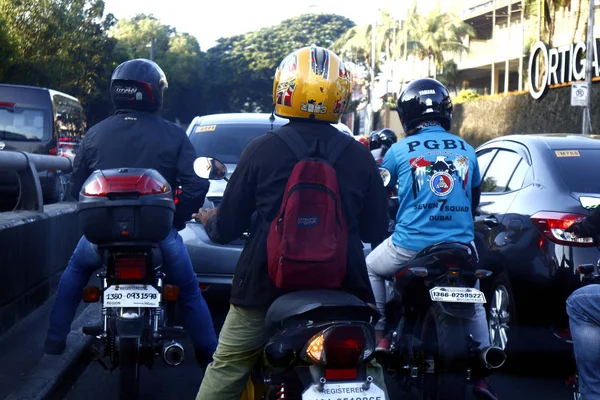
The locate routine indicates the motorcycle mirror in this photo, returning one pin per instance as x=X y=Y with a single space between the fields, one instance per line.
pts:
x=210 y=168
x=386 y=177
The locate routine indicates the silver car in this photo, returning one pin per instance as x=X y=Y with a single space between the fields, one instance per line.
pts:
x=224 y=137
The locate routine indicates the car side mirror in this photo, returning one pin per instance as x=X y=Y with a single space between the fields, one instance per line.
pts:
x=210 y=168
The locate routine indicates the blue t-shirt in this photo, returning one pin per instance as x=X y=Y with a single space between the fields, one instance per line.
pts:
x=435 y=171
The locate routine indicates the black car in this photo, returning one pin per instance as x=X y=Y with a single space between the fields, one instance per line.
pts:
x=533 y=187
x=40 y=121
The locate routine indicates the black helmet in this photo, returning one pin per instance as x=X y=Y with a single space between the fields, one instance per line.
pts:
x=424 y=100
x=138 y=85
x=385 y=137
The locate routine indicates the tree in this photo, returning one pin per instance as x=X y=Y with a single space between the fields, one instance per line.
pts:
x=60 y=44
x=242 y=67
x=178 y=55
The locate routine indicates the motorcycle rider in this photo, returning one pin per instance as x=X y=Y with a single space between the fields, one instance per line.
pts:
x=583 y=308
x=380 y=142
x=430 y=166
x=135 y=136
x=258 y=184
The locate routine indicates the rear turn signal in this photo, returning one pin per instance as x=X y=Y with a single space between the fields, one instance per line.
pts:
x=91 y=294
x=170 y=292
x=339 y=347
x=553 y=224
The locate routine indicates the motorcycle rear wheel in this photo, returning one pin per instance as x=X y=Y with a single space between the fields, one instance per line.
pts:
x=445 y=340
x=129 y=369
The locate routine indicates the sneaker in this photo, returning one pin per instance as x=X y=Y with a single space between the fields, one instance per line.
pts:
x=53 y=347
x=483 y=391
x=383 y=346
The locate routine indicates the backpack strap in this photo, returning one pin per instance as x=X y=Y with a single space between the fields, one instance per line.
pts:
x=337 y=145
x=293 y=141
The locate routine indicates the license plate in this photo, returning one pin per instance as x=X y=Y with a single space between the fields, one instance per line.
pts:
x=131 y=296
x=337 y=391
x=457 y=295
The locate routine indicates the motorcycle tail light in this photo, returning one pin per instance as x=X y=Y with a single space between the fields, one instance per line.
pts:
x=144 y=184
x=130 y=268
x=339 y=347
x=553 y=224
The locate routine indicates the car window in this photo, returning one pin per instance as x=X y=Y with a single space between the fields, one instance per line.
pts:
x=484 y=158
x=578 y=169
x=518 y=177
x=499 y=172
x=225 y=142
x=18 y=123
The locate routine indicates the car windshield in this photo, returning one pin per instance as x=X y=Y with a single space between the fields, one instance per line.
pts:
x=225 y=142
x=577 y=168
x=18 y=123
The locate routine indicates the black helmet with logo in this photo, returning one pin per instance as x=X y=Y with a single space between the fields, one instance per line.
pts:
x=138 y=85
x=424 y=100
x=385 y=137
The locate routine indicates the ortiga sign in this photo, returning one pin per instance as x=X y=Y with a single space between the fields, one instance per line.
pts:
x=557 y=65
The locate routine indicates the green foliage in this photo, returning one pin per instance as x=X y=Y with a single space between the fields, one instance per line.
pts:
x=465 y=95
x=72 y=46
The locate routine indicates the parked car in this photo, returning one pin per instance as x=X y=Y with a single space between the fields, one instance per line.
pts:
x=223 y=136
x=533 y=187
x=41 y=121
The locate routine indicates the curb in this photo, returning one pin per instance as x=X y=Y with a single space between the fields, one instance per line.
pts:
x=51 y=370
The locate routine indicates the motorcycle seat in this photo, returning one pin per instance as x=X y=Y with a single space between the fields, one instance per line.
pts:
x=463 y=250
x=307 y=303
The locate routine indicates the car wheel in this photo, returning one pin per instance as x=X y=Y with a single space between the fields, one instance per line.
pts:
x=500 y=312
x=57 y=192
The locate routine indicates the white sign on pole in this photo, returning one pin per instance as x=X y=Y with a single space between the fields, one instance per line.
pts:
x=579 y=93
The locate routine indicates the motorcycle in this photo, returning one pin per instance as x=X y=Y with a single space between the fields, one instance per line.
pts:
x=429 y=299
x=126 y=212
x=320 y=341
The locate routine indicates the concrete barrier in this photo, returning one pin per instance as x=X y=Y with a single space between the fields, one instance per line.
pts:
x=34 y=250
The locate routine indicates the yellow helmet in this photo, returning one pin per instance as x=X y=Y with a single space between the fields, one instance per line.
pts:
x=311 y=82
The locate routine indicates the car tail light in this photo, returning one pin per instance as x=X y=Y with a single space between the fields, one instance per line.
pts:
x=339 y=347
x=6 y=104
x=130 y=268
x=553 y=225
x=144 y=184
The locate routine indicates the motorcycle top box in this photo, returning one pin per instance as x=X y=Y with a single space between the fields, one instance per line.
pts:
x=126 y=205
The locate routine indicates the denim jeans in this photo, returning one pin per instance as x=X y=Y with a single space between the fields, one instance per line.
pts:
x=176 y=265
x=384 y=261
x=583 y=308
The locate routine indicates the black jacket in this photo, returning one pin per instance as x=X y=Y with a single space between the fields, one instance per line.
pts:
x=143 y=140
x=258 y=184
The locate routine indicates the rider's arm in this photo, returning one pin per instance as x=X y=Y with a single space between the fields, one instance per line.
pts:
x=81 y=170
x=594 y=219
x=391 y=164
x=237 y=205
x=193 y=187
x=373 y=219
x=475 y=186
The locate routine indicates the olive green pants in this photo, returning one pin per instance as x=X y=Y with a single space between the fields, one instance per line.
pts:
x=241 y=342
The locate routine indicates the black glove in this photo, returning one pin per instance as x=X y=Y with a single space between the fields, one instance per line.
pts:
x=583 y=228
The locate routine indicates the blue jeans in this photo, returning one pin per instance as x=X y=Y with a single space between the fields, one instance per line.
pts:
x=176 y=265
x=583 y=308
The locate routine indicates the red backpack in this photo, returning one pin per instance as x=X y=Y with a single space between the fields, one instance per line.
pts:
x=308 y=239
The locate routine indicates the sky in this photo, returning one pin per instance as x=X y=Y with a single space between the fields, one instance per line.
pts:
x=213 y=19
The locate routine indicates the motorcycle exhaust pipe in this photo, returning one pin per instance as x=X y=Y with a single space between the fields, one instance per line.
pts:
x=173 y=354
x=492 y=357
